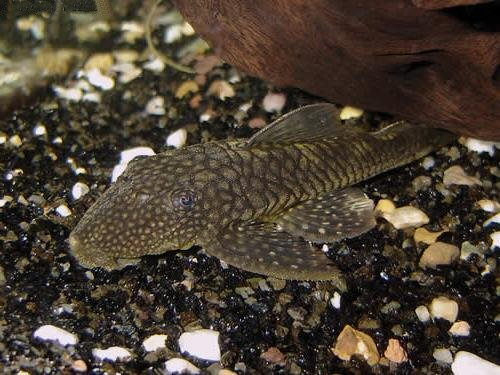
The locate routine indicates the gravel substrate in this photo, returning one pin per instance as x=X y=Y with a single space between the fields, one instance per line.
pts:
x=414 y=299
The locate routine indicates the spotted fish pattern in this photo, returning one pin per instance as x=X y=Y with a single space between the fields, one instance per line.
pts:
x=257 y=204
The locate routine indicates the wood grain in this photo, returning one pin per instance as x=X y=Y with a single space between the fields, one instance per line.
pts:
x=431 y=67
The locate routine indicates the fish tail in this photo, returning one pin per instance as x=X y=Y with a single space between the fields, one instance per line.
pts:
x=404 y=142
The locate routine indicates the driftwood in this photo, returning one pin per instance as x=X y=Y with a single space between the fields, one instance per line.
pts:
x=436 y=67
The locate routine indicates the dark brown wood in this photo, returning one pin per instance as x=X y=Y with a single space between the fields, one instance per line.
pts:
x=442 y=4
x=387 y=55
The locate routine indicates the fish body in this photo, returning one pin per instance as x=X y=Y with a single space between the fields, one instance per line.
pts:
x=257 y=204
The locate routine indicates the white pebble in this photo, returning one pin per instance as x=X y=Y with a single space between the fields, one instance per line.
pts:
x=428 y=162
x=132 y=31
x=52 y=333
x=5 y=199
x=460 y=328
x=117 y=171
x=466 y=363
x=444 y=308
x=154 y=342
x=349 y=112
x=479 y=146
x=492 y=220
x=97 y=79
x=443 y=355
x=495 y=240
x=63 y=210
x=202 y=343
x=180 y=366
x=79 y=190
x=83 y=85
x=335 y=300
x=129 y=76
x=39 y=130
x=423 y=313
x=93 y=97
x=128 y=155
x=178 y=138
x=128 y=71
x=456 y=175
x=3 y=138
x=156 y=106
x=489 y=205
x=406 y=217
x=113 y=354
x=156 y=65
x=72 y=94
x=274 y=102
x=172 y=34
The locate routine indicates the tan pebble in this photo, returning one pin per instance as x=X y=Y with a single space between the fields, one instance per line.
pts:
x=221 y=89
x=225 y=371
x=126 y=55
x=274 y=355
x=444 y=308
x=79 y=366
x=349 y=112
x=15 y=141
x=406 y=217
x=460 y=328
x=423 y=235
x=353 y=342
x=257 y=123
x=274 y=102
x=385 y=206
x=455 y=175
x=395 y=352
x=57 y=62
x=185 y=88
x=101 y=61
x=439 y=253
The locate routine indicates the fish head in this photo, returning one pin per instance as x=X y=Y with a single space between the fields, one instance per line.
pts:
x=155 y=206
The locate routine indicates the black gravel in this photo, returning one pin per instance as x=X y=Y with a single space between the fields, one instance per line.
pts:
x=42 y=284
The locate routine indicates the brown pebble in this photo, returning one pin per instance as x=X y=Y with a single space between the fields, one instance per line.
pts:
x=353 y=342
x=395 y=352
x=257 y=123
x=274 y=355
x=195 y=101
x=206 y=64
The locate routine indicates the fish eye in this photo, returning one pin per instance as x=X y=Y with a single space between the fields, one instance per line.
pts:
x=184 y=200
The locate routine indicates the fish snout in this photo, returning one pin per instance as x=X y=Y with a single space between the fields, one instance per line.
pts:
x=87 y=255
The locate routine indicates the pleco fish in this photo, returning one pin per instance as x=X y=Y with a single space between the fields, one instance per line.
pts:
x=256 y=204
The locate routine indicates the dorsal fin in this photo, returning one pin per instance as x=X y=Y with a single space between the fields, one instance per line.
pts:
x=304 y=124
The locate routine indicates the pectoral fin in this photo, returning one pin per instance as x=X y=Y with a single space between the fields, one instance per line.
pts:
x=342 y=214
x=261 y=249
